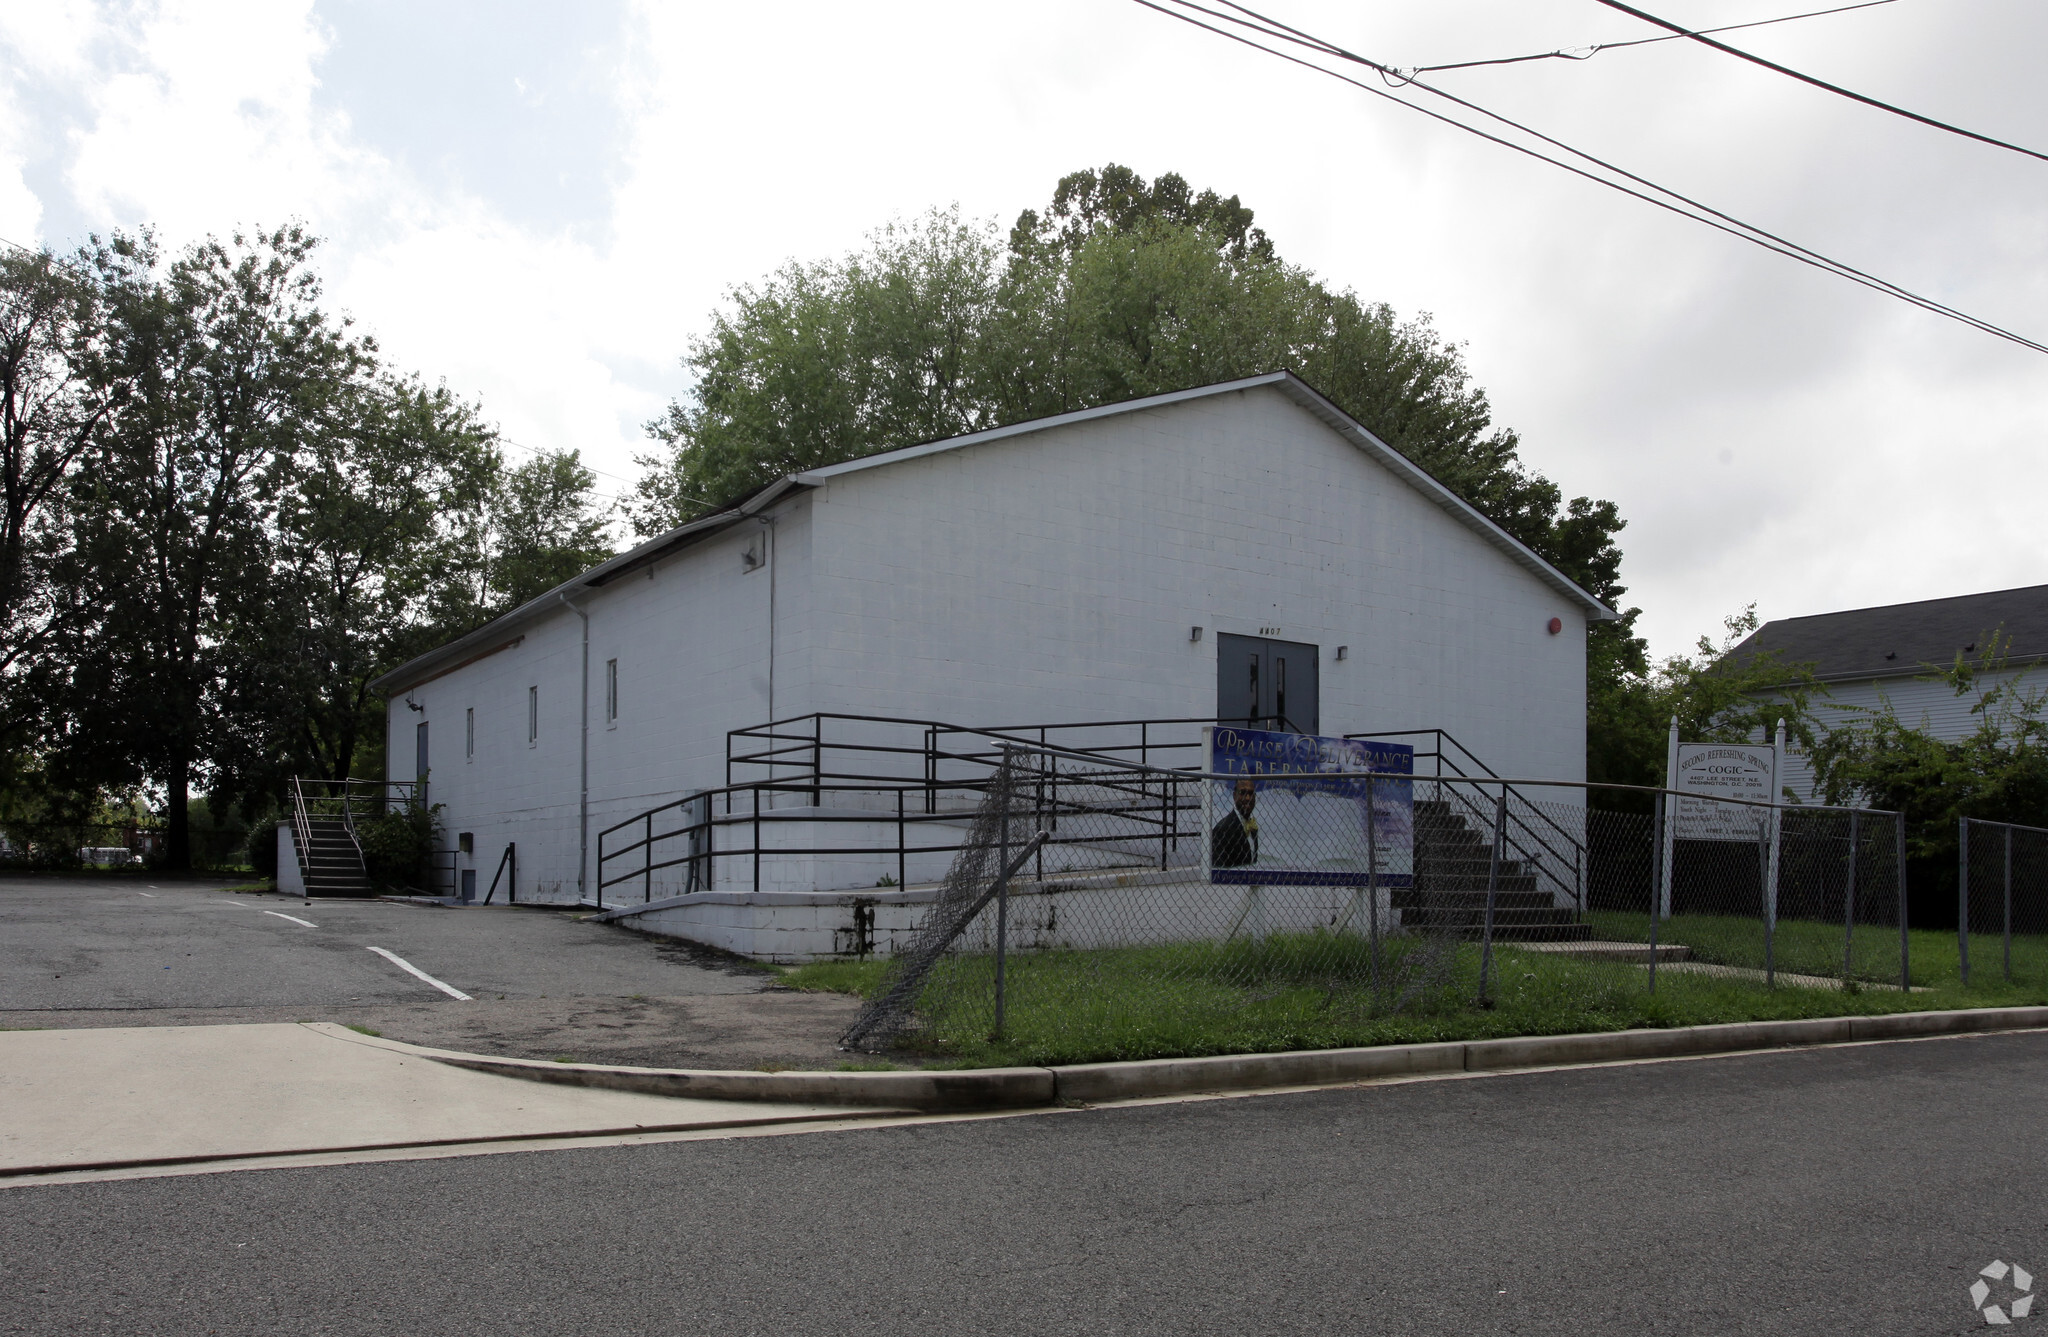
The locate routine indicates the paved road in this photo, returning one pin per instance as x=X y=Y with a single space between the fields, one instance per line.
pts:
x=1853 y=1190
x=78 y=945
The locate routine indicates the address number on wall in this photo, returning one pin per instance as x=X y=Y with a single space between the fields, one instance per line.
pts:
x=1269 y=631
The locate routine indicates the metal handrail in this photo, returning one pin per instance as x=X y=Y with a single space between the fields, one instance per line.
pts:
x=350 y=791
x=1153 y=812
x=1574 y=852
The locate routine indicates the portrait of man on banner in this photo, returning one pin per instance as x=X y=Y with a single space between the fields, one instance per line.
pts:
x=1296 y=809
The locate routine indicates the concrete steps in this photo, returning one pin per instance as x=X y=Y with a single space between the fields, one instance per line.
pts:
x=331 y=863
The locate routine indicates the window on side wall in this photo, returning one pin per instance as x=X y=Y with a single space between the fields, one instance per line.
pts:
x=532 y=716
x=469 y=734
x=611 y=693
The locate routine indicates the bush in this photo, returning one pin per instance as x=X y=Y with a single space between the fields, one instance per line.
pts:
x=396 y=845
x=263 y=851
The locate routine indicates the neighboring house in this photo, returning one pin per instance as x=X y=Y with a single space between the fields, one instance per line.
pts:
x=1239 y=551
x=1866 y=657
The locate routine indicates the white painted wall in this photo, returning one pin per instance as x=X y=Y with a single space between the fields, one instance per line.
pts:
x=1047 y=577
x=1055 y=576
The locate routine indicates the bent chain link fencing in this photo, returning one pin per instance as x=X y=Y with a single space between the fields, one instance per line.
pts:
x=1150 y=907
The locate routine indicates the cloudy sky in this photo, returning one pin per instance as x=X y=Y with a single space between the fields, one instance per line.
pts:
x=541 y=202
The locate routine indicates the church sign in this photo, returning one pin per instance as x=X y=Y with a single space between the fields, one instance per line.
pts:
x=1287 y=809
x=1721 y=771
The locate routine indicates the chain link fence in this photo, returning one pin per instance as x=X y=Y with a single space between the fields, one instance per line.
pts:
x=2002 y=902
x=1111 y=909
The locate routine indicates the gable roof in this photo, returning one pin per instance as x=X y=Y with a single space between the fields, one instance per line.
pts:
x=1285 y=383
x=1899 y=640
x=1293 y=388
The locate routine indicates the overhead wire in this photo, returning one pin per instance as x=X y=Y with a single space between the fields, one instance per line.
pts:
x=1593 y=49
x=1651 y=193
x=1791 y=73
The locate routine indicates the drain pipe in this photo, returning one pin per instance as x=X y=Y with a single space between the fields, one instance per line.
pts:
x=768 y=523
x=583 y=776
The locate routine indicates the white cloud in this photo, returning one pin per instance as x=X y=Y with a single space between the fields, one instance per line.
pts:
x=1771 y=433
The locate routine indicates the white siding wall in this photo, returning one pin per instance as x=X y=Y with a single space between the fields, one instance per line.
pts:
x=1045 y=578
x=1055 y=576
x=691 y=641
x=1920 y=704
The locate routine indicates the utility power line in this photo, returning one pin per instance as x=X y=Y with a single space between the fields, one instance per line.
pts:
x=1789 y=72
x=1600 y=171
x=1593 y=49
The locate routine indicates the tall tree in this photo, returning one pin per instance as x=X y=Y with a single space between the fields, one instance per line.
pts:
x=369 y=567
x=545 y=526
x=1119 y=288
x=49 y=416
x=226 y=371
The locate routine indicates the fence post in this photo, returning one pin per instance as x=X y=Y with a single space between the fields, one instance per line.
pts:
x=646 y=858
x=1658 y=872
x=1905 y=947
x=1962 y=895
x=1372 y=884
x=1764 y=870
x=2008 y=905
x=1004 y=779
x=512 y=883
x=902 y=839
x=1500 y=804
x=1849 y=901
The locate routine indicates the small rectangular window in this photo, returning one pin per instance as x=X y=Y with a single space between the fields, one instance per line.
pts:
x=469 y=734
x=532 y=715
x=611 y=692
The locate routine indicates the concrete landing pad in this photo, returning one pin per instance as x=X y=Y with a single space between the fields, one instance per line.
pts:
x=107 y=1097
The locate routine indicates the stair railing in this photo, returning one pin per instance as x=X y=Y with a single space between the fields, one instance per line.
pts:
x=302 y=837
x=1533 y=836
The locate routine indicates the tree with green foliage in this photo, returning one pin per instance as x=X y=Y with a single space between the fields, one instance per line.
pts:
x=1715 y=697
x=1119 y=288
x=221 y=369
x=49 y=416
x=545 y=527
x=1998 y=772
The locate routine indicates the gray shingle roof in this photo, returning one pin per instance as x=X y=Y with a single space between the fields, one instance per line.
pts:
x=1897 y=640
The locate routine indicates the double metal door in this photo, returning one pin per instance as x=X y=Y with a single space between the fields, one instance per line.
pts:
x=1267 y=684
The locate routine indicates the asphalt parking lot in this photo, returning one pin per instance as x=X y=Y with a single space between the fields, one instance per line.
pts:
x=539 y=983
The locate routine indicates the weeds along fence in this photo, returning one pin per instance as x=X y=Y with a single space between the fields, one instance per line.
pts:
x=2002 y=901
x=1150 y=906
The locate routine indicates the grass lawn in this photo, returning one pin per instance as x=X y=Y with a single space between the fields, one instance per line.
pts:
x=1310 y=991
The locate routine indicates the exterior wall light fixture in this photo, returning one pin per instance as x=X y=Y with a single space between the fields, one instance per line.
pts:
x=1194 y=634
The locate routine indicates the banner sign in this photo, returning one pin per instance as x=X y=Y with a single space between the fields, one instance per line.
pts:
x=1722 y=770
x=1294 y=810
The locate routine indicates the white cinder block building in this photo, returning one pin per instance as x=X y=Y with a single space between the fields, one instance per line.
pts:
x=1238 y=551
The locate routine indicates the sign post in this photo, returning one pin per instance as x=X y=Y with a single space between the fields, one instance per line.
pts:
x=1701 y=773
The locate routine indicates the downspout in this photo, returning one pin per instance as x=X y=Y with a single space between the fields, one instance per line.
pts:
x=583 y=777
x=769 y=523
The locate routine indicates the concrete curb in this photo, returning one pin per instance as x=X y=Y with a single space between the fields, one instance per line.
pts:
x=873 y=1092
x=1096 y=1083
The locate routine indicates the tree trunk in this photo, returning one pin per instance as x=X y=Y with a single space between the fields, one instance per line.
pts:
x=178 y=815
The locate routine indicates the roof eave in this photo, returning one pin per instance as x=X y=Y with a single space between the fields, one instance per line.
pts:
x=1304 y=395
x=422 y=666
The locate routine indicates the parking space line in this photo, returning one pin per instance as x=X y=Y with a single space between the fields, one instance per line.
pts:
x=294 y=918
x=150 y=894
x=411 y=969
